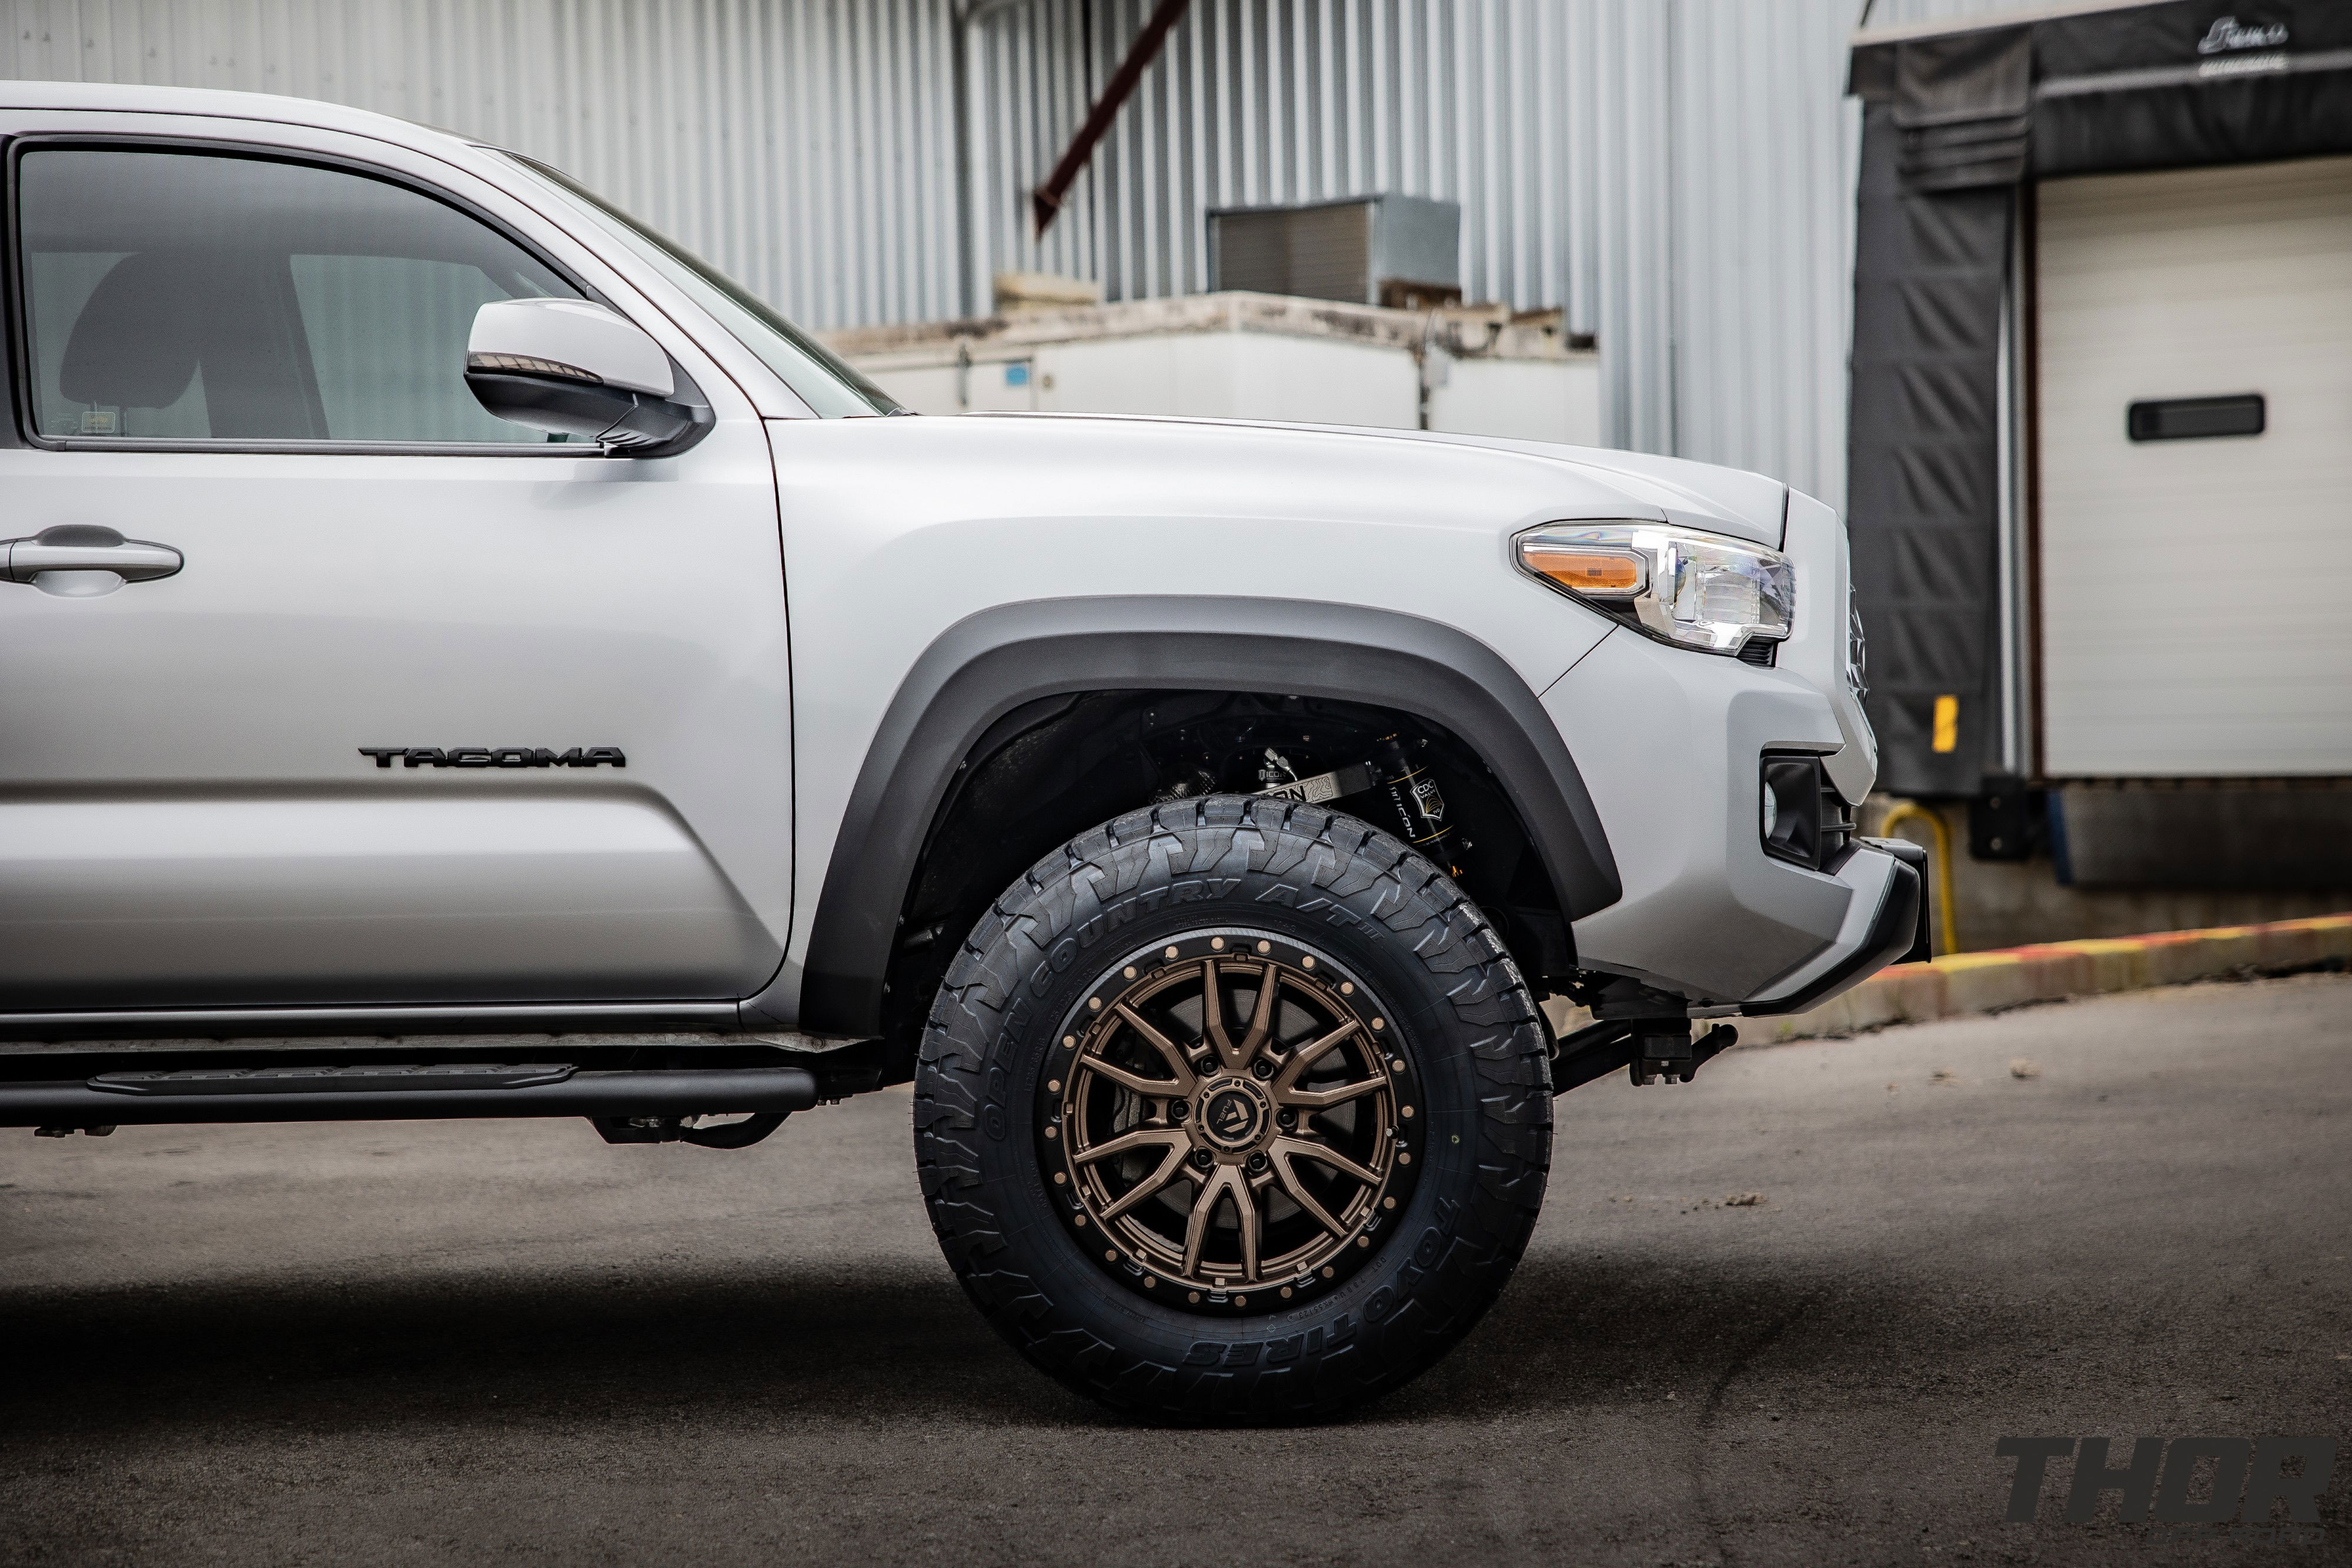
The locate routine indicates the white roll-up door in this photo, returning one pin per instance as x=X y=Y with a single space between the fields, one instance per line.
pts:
x=2196 y=587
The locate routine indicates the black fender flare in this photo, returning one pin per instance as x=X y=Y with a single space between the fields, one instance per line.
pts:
x=991 y=662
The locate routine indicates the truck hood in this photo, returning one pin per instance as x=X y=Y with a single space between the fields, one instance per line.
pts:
x=1729 y=501
x=896 y=529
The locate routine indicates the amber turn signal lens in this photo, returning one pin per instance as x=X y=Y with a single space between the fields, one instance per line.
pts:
x=1586 y=570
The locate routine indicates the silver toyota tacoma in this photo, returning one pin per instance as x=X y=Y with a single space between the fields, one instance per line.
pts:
x=464 y=657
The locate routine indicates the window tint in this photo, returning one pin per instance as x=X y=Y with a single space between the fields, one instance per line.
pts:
x=181 y=295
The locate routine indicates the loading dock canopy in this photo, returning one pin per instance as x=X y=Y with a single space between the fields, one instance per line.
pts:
x=1953 y=123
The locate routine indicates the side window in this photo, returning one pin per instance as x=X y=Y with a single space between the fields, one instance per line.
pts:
x=204 y=296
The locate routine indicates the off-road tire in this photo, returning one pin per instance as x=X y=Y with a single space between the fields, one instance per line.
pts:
x=1247 y=864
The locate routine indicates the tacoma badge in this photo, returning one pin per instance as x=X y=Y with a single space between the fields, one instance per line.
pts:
x=495 y=756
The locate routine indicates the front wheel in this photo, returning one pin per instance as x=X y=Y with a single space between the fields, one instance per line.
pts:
x=1233 y=1109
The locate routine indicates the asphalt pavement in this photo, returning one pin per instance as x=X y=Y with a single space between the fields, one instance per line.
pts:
x=1780 y=1315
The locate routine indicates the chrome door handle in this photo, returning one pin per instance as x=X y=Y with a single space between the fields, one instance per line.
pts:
x=85 y=547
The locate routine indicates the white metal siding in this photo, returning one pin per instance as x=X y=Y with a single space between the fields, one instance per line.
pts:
x=2194 y=592
x=1545 y=118
x=1676 y=173
x=805 y=146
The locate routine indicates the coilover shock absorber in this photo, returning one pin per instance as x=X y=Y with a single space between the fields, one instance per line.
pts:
x=1416 y=803
x=1420 y=807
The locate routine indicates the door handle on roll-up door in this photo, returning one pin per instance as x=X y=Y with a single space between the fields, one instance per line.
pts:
x=78 y=559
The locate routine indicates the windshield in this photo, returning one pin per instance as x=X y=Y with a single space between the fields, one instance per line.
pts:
x=829 y=387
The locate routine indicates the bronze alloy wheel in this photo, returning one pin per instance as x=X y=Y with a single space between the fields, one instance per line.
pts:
x=1229 y=1120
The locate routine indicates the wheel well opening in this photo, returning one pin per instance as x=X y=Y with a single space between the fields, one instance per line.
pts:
x=1055 y=768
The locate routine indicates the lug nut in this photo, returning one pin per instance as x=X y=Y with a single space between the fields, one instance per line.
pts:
x=1260 y=1068
x=1285 y=1119
x=1203 y=1159
x=1257 y=1164
x=1178 y=1110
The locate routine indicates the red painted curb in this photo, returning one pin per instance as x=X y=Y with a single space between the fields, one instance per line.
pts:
x=2051 y=971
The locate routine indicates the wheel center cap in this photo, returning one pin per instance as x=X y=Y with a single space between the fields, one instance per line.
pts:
x=1233 y=1115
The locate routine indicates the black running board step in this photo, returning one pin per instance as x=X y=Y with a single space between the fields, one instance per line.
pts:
x=709 y=1091
x=436 y=1077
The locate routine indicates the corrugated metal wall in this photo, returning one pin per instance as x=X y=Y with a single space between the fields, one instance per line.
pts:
x=1677 y=174
x=1545 y=118
x=805 y=146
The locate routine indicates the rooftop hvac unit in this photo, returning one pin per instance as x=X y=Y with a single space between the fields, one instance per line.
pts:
x=1368 y=250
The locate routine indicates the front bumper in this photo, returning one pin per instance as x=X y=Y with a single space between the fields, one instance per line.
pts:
x=1671 y=746
x=1889 y=927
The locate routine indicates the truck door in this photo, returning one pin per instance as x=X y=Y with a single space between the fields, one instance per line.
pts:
x=320 y=686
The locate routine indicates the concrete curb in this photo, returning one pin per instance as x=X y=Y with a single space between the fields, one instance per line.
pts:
x=2051 y=971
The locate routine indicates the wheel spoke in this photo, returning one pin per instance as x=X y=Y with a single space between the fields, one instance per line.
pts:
x=1169 y=1164
x=1160 y=1042
x=1307 y=1055
x=1284 y=1147
x=1226 y=1183
x=1324 y=1099
x=1246 y=1213
x=1213 y=1013
x=1142 y=1138
x=1300 y=1195
x=1261 y=1022
x=1196 y=1224
x=1157 y=1088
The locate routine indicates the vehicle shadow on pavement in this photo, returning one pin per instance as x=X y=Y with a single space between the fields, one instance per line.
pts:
x=1576 y=1332
x=791 y=1344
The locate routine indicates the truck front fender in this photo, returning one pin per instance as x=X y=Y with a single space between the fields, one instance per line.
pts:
x=986 y=666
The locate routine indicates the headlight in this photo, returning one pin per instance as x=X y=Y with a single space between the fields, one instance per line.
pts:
x=1679 y=585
